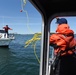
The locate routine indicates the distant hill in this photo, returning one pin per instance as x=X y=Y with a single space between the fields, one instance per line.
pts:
x=52 y=33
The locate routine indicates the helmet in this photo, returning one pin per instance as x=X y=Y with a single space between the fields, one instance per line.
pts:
x=61 y=21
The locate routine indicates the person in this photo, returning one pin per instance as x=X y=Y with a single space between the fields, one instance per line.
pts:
x=64 y=44
x=6 y=28
x=59 y=42
x=62 y=25
x=64 y=29
x=67 y=56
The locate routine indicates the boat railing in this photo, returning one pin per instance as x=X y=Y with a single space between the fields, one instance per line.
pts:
x=51 y=60
x=4 y=35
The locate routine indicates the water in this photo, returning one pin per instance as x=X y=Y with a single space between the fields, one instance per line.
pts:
x=17 y=60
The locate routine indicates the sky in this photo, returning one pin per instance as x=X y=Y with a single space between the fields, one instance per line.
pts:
x=71 y=22
x=25 y=23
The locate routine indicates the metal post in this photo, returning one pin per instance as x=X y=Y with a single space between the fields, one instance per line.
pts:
x=45 y=48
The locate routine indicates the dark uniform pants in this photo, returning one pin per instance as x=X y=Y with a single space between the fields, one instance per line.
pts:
x=67 y=65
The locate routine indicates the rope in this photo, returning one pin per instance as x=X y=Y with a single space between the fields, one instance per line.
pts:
x=36 y=36
x=23 y=3
x=36 y=54
x=33 y=41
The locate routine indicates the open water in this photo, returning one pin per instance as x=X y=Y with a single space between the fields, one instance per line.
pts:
x=18 y=60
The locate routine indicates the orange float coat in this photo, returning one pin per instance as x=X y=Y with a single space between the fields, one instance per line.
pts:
x=65 y=30
x=61 y=28
x=62 y=43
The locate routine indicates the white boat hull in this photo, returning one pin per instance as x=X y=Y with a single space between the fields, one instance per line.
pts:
x=5 y=41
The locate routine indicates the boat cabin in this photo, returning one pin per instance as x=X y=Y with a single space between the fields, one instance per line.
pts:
x=50 y=9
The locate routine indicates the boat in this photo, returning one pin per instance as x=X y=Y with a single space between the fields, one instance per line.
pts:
x=49 y=9
x=4 y=40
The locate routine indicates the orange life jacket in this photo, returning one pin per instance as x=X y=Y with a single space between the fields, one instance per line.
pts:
x=6 y=28
x=65 y=30
x=63 y=43
x=62 y=28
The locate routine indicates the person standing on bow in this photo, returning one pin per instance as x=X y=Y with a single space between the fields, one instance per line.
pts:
x=6 y=28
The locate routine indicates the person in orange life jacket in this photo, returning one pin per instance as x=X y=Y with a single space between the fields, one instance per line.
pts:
x=59 y=42
x=64 y=29
x=62 y=25
x=63 y=40
x=67 y=60
x=6 y=28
